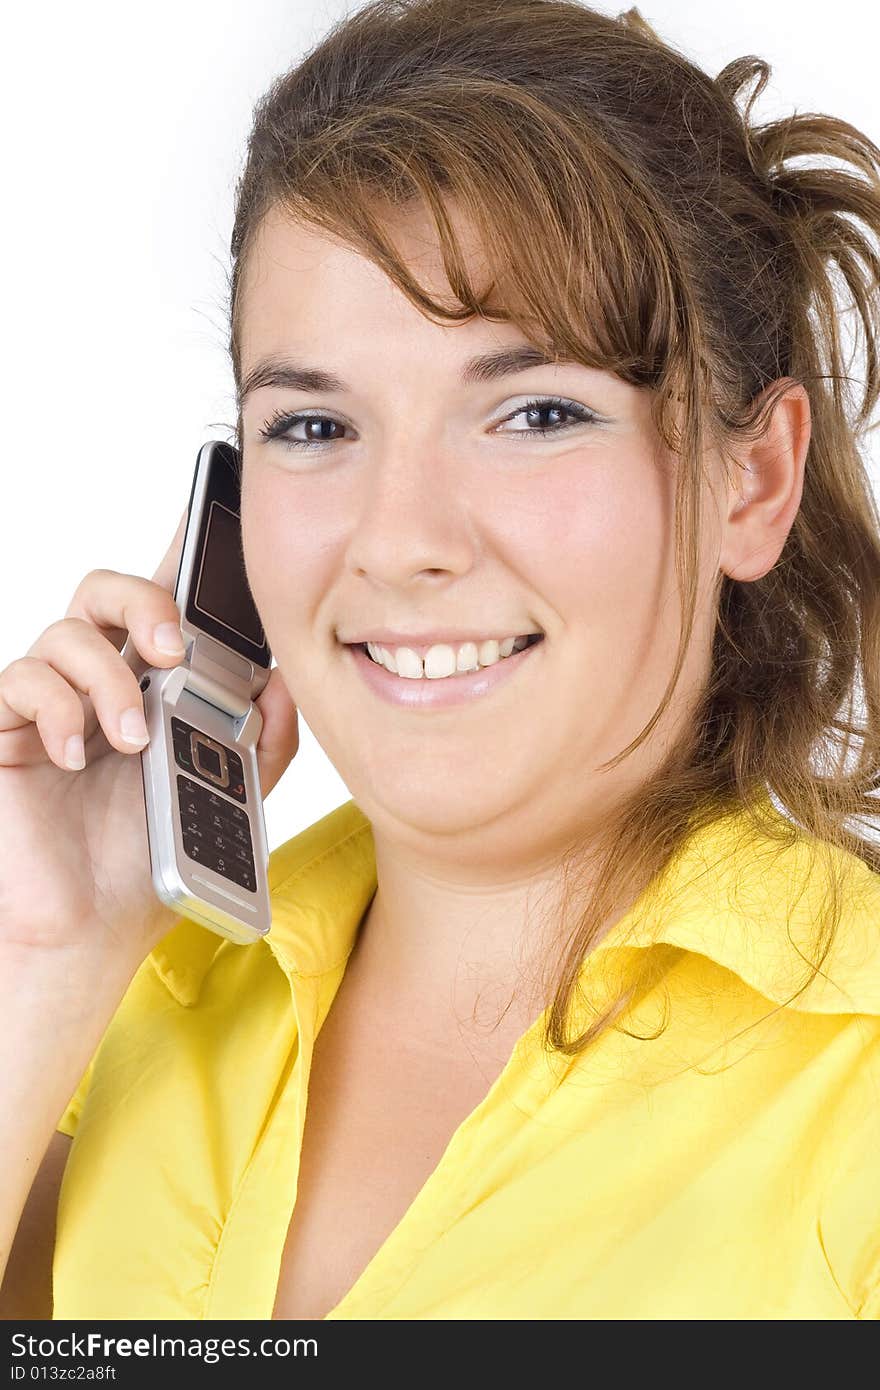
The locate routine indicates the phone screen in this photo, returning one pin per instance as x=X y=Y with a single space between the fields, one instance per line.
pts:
x=222 y=591
x=218 y=600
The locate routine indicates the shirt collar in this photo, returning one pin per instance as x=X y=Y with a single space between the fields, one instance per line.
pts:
x=321 y=883
x=732 y=893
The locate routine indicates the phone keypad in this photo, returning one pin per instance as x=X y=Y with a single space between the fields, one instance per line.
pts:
x=216 y=833
x=205 y=758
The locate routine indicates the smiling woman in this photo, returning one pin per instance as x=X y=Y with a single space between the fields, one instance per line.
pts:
x=556 y=517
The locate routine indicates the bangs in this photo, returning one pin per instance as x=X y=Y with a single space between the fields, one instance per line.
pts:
x=569 y=248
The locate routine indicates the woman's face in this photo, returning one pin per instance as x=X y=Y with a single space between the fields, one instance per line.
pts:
x=436 y=507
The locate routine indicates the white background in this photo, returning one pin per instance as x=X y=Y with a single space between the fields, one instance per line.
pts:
x=124 y=129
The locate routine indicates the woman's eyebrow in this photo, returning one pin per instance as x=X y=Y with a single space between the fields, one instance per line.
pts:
x=486 y=366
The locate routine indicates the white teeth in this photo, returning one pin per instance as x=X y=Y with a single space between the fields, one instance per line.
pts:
x=443 y=660
x=468 y=657
x=439 y=661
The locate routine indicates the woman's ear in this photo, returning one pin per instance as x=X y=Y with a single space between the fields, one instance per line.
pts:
x=765 y=495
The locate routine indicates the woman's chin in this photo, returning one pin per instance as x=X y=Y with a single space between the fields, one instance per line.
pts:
x=435 y=808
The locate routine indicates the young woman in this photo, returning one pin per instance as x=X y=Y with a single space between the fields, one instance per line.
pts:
x=556 y=515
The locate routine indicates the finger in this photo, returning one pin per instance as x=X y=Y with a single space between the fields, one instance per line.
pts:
x=87 y=661
x=127 y=604
x=36 y=700
x=279 y=736
x=166 y=571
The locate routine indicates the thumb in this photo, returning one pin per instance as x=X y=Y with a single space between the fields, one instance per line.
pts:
x=279 y=737
x=166 y=570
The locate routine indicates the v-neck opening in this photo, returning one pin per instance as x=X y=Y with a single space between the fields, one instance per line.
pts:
x=308 y=995
x=439 y=1179
x=442 y=1179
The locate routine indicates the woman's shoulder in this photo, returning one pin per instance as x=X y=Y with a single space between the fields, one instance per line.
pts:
x=320 y=884
x=795 y=918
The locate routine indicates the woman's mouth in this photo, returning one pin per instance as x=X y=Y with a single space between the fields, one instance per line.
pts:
x=426 y=692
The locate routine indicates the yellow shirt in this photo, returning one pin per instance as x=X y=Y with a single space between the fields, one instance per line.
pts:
x=686 y=1177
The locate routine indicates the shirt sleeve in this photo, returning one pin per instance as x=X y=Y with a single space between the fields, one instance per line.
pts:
x=849 y=1218
x=189 y=948
x=70 y=1116
x=870 y=1309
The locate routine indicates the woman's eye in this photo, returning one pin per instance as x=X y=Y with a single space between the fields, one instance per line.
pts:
x=280 y=425
x=318 y=428
x=536 y=410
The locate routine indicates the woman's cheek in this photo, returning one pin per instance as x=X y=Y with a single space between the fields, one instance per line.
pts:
x=602 y=547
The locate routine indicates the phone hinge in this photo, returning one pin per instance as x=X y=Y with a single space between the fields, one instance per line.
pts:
x=228 y=690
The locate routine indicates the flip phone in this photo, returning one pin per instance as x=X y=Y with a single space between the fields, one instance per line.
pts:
x=205 y=825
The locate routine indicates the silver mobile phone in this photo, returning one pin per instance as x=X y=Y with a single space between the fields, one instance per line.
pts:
x=205 y=825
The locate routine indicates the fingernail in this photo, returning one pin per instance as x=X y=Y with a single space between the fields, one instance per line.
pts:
x=75 y=753
x=168 y=638
x=132 y=726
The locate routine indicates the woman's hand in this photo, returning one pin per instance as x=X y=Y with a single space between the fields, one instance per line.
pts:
x=75 y=867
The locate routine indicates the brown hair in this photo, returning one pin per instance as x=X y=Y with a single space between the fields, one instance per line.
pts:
x=682 y=250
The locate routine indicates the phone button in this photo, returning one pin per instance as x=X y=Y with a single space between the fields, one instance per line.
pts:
x=216 y=833
x=219 y=765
